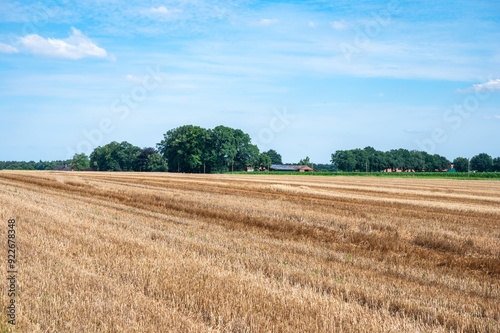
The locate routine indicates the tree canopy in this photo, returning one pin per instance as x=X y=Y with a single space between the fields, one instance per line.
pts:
x=194 y=149
x=496 y=164
x=80 y=162
x=274 y=156
x=369 y=159
x=306 y=161
x=32 y=165
x=482 y=163
x=115 y=157
x=461 y=164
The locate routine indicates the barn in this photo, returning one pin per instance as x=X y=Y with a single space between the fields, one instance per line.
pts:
x=291 y=168
x=63 y=167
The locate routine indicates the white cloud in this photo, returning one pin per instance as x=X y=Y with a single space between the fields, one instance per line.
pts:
x=492 y=85
x=76 y=46
x=496 y=116
x=339 y=25
x=163 y=10
x=313 y=24
x=134 y=79
x=5 y=48
x=266 y=22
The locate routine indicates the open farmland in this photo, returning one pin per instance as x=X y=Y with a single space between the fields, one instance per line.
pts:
x=132 y=252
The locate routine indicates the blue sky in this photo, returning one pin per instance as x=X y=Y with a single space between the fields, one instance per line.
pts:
x=306 y=78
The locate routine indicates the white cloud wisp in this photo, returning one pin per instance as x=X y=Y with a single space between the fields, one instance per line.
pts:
x=492 y=85
x=75 y=47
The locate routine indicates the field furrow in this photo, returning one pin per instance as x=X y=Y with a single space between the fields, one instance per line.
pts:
x=197 y=253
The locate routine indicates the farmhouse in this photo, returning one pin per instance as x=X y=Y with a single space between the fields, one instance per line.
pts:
x=291 y=168
x=64 y=167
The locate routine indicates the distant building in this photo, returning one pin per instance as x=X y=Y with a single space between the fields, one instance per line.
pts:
x=397 y=170
x=64 y=167
x=291 y=168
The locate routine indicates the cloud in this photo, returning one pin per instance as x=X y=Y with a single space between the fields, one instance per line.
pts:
x=496 y=116
x=339 y=25
x=492 y=85
x=266 y=22
x=5 y=48
x=162 y=10
x=313 y=24
x=135 y=79
x=76 y=46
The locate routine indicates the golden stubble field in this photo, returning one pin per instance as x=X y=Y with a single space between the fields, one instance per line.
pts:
x=128 y=252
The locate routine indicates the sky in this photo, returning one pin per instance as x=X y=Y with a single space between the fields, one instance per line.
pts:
x=305 y=78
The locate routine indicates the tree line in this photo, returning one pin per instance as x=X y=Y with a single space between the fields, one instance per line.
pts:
x=372 y=160
x=194 y=149
x=32 y=165
x=481 y=162
x=188 y=148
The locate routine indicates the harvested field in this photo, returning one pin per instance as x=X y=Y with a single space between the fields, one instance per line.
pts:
x=128 y=252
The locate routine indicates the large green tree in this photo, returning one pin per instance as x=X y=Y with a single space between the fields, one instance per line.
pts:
x=115 y=157
x=461 y=164
x=481 y=162
x=344 y=160
x=183 y=147
x=194 y=149
x=80 y=162
x=246 y=152
x=223 y=144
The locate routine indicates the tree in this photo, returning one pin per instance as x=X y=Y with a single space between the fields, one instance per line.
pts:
x=417 y=160
x=182 y=147
x=140 y=161
x=128 y=154
x=377 y=160
x=397 y=159
x=496 y=164
x=326 y=167
x=361 y=158
x=344 y=160
x=445 y=163
x=80 y=162
x=193 y=149
x=274 y=156
x=155 y=163
x=115 y=157
x=264 y=162
x=306 y=161
x=482 y=162
x=461 y=164
x=246 y=152
x=224 y=148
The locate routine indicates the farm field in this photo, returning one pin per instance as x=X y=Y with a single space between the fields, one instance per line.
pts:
x=158 y=252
